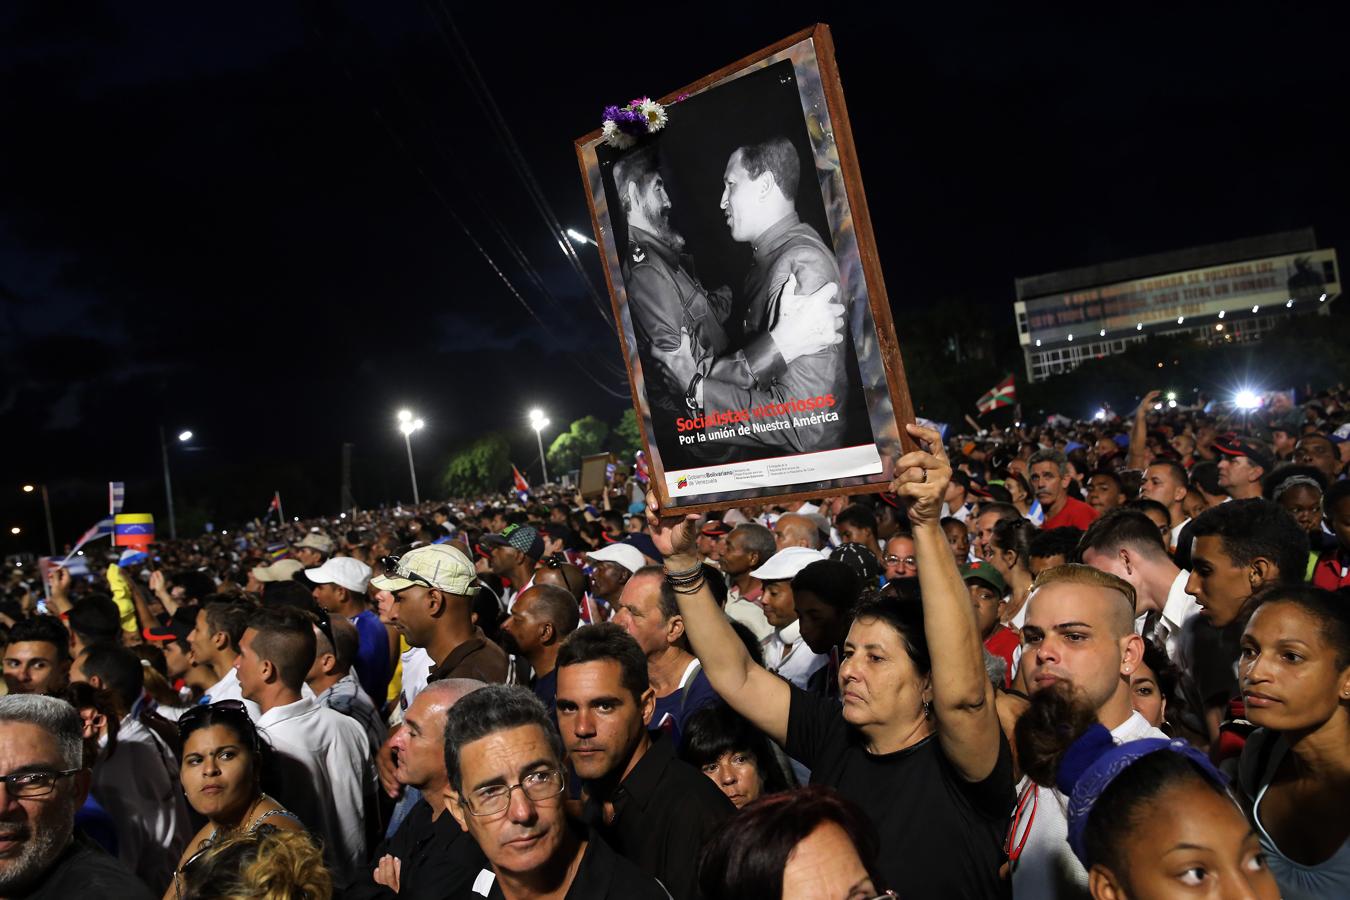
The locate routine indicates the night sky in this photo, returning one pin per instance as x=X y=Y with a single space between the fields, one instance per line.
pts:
x=245 y=219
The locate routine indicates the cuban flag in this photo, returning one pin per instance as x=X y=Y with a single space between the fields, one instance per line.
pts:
x=117 y=495
x=521 y=485
x=1037 y=514
x=101 y=529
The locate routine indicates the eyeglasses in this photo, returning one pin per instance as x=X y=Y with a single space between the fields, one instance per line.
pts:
x=537 y=786
x=189 y=719
x=28 y=785
x=891 y=559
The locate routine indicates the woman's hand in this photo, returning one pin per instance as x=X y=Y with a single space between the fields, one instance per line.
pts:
x=923 y=477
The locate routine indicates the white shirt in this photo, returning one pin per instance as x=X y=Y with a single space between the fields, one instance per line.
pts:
x=1176 y=612
x=1047 y=868
x=786 y=654
x=417 y=666
x=1176 y=532
x=138 y=785
x=330 y=777
x=227 y=688
x=748 y=613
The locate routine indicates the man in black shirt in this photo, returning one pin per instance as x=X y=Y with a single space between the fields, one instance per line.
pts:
x=429 y=856
x=504 y=761
x=41 y=739
x=651 y=807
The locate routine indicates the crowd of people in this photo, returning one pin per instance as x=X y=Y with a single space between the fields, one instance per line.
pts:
x=1106 y=659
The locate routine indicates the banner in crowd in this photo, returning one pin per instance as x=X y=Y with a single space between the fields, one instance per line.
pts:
x=730 y=217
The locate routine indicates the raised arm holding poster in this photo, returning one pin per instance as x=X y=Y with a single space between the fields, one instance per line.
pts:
x=739 y=257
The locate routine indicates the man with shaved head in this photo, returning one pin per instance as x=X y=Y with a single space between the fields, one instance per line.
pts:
x=429 y=855
x=1078 y=637
x=795 y=530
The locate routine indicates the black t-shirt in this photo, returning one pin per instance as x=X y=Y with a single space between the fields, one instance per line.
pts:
x=941 y=836
x=84 y=870
x=604 y=875
x=664 y=812
x=438 y=860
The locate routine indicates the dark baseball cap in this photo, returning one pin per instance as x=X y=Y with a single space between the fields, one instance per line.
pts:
x=524 y=538
x=179 y=626
x=1240 y=445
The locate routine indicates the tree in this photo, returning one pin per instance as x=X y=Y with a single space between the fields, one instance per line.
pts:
x=479 y=467
x=584 y=437
x=626 y=439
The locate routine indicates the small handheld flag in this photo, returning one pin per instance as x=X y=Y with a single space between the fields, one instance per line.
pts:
x=522 y=486
x=117 y=493
x=133 y=530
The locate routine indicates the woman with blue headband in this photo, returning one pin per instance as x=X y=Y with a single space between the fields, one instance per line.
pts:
x=1150 y=819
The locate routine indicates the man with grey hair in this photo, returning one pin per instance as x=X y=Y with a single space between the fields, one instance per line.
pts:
x=504 y=764
x=429 y=855
x=45 y=782
x=749 y=546
x=1048 y=472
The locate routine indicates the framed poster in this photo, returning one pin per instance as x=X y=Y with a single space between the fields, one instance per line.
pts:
x=739 y=257
x=595 y=474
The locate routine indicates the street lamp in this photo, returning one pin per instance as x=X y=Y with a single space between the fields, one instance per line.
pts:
x=183 y=438
x=46 y=511
x=408 y=424
x=538 y=422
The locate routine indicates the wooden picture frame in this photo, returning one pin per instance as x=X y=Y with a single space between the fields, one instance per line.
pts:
x=594 y=478
x=747 y=108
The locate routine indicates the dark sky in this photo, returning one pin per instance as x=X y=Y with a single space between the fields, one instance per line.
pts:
x=243 y=219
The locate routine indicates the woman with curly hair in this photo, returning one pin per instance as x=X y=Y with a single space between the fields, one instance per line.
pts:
x=266 y=864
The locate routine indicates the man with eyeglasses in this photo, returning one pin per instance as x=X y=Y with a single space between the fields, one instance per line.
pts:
x=504 y=765
x=42 y=784
x=899 y=562
x=651 y=807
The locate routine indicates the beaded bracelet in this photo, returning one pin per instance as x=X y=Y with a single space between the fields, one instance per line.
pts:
x=691 y=588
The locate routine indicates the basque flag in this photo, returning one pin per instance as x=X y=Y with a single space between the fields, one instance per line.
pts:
x=1002 y=394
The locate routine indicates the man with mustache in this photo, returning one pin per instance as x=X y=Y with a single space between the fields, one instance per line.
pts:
x=41 y=743
x=680 y=327
x=1079 y=637
x=1049 y=476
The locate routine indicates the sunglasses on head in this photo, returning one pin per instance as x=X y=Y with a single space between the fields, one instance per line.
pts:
x=393 y=569
x=325 y=624
x=188 y=720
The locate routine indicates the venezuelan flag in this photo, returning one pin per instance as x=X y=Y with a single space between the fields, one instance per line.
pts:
x=133 y=529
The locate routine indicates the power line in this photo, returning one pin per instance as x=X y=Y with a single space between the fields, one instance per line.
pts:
x=458 y=220
x=463 y=60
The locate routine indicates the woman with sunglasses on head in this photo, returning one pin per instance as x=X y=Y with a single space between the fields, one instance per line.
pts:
x=1294 y=672
x=222 y=767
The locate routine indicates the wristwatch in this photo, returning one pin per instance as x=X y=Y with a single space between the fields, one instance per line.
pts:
x=693 y=398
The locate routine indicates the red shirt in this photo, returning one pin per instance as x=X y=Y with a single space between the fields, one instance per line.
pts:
x=1075 y=513
x=1002 y=643
x=1332 y=571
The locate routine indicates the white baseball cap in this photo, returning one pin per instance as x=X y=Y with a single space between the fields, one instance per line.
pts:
x=625 y=555
x=786 y=563
x=438 y=566
x=343 y=571
x=281 y=570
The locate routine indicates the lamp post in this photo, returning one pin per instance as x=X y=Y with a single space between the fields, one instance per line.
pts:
x=408 y=424
x=183 y=438
x=538 y=422
x=46 y=511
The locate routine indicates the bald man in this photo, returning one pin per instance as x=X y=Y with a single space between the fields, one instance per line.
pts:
x=540 y=618
x=793 y=530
